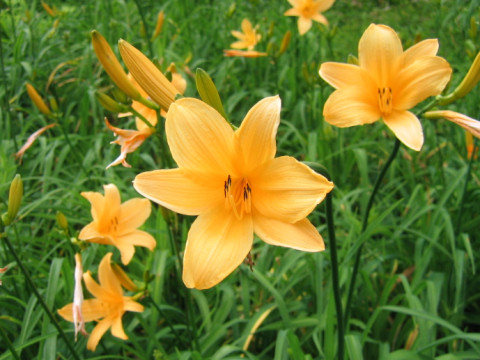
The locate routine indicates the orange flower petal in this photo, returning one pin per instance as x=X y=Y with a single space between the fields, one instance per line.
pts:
x=217 y=243
x=199 y=138
x=125 y=243
x=133 y=214
x=97 y=333
x=301 y=235
x=287 y=190
x=257 y=134
x=351 y=106
x=342 y=75
x=425 y=77
x=177 y=191
x=428 y=47
x=379 y=52
x=407 y=128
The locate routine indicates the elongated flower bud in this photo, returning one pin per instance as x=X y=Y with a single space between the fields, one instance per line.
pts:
x=467 y=84
x=159 y=26
x=285 y=42
x=14 y=200
x=123 y=278
x=469 y=124
x=37 y=100
x=112 y=66
x=148 y=76
x=108 y=103
x=62 y=220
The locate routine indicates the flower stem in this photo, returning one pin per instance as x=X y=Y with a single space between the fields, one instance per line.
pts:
x=364 y=227
x=40 y=299
x=188 y=300
x=458 y=222
x=9 y=344
x=335 y=277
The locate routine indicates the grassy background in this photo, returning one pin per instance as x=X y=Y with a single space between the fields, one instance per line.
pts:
x=417 y=292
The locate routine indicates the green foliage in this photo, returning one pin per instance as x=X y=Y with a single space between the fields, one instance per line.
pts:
x=417 y=294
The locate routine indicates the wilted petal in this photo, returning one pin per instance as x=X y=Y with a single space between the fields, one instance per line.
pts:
x=180 y=192
x=217 y=243
x=31 y=139
x=287 y=190
x=257 y=134
x=301 y=235
x=469 y=124
x=407 y=128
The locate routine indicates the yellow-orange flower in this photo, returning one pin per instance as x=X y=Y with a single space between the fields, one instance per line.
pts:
x=107 y=307
x=236 y=186
x=386 y=84
x=116 y=224
x=247 y=38
x=308 y=11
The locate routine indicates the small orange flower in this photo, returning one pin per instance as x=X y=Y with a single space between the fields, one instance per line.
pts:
x=386 y=84
x=308 y=10
x=247 y=38
x=116 y=224
x=107 y=307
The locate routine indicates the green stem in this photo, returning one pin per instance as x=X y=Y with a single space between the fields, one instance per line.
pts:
x=9 y=344
x=364 y=227
x=141 y=117
x=40 y=299
x=458 y=223
x=335 y=277
x=188 y=300
x=147 y=38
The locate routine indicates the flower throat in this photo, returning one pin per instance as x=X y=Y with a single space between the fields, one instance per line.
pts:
x=238 y=196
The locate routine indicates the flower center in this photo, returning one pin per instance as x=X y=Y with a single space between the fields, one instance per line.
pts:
x=238 y=196
x=385 y=100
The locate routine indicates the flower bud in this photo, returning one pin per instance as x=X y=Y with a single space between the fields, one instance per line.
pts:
x=159 y=26
x=37 y=100
x=467 y=84
x=285 y=42
x=14 y=199
x=148 y=76
x=126 y=282
x=62 y=220
x=112 y=66
x=108 y=103
x=208 y=92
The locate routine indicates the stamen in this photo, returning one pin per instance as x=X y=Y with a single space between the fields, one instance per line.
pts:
x=385 y=97
x=238 y=196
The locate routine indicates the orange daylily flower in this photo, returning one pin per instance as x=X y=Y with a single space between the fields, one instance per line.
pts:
x=386 y=84
x=116 y=224
x=236 y=186
x=247 y=38
x=308 y=10
x=245 y=54
x=107 y=307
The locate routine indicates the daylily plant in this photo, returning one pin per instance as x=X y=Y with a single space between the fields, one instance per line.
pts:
x=236 y=186
x=107 y=307
x=116 y=224
x=308 y=11
x=247 y=38
x=386 y=84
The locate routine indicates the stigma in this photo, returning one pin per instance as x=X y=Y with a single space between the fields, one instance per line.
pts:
x=238 y=196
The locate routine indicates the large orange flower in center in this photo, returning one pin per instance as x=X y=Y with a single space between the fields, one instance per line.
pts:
x=236 y=186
